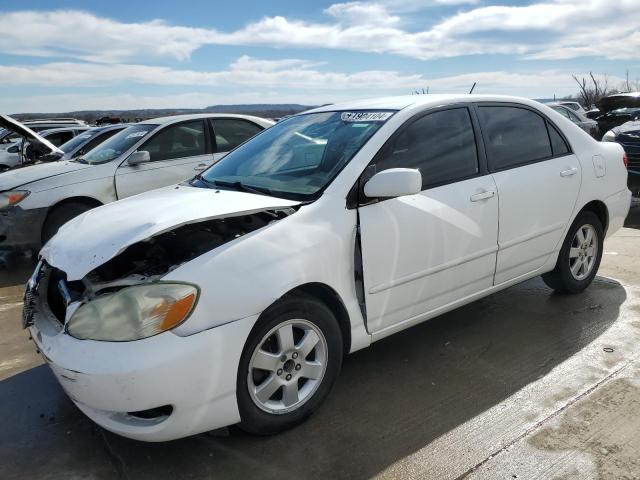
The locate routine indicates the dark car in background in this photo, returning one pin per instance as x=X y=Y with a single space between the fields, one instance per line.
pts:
x=628 y=135
x=83 y=143
x=618 y=109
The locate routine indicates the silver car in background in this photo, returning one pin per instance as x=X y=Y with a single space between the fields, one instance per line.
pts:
x=586 y=124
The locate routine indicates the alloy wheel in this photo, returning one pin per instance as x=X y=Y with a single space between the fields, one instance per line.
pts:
x=287 y=366
x=583 y=252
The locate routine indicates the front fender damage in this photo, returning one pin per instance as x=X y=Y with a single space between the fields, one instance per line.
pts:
x=151 y=259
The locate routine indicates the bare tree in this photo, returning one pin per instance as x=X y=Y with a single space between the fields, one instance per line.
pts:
x=593 y=90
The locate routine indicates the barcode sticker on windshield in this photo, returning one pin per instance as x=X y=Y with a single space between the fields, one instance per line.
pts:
x=137 y=134
x=365 y=116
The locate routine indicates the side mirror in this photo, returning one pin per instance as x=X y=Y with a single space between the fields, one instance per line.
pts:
x=141 y=156
x=395 y=182
x=13 y=149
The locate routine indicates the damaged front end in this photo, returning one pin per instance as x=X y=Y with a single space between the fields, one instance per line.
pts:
x=125 y=298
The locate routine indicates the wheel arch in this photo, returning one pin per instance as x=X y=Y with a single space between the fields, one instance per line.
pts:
x=600 y=209
x=331 y=298
x=89 y=201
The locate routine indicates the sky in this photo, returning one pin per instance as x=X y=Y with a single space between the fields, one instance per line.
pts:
x=60 y=55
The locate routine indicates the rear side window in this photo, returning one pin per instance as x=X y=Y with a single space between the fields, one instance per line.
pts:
x=441 y=145
x=558 y=144
x=514 y=136
x=181 y=140
x=60 y=137
x=231 y=132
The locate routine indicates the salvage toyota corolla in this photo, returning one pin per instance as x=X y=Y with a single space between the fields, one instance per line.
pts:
x=232 y=298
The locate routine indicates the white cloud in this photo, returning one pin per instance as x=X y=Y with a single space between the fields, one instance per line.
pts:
x=359 y=13
x=245 y=71
x=555 y=29
x=255 y=81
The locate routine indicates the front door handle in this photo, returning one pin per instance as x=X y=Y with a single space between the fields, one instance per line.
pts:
x=569 y=172
x=200 y=167
x=482 y=195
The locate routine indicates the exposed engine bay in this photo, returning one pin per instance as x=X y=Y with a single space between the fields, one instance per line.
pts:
x=151 y=259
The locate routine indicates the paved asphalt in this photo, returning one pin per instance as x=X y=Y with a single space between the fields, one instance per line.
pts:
x=522 y=384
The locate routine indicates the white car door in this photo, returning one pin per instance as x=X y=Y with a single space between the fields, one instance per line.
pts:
x=424 y=251
x=177 y=152
x=538 y=180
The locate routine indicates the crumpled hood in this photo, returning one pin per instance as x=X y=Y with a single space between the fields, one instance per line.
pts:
x=32 y=173
x=622 y=100
x=98 y=235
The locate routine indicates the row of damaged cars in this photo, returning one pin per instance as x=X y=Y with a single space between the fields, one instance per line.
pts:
x=48 y=182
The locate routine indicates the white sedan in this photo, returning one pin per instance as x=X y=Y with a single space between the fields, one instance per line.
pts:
x=233 y=298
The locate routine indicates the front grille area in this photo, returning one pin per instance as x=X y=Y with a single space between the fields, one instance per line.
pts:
x=28 y=308
x=631 y=146
x=31 y=294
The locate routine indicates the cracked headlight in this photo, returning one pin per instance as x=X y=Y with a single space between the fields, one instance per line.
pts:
x=9 y=199
x=134 y=312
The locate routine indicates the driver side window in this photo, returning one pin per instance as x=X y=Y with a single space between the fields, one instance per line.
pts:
x=441 y=145
x=186 y=139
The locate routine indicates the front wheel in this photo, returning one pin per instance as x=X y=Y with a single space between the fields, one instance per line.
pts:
x=579 y=256
x=288 y=366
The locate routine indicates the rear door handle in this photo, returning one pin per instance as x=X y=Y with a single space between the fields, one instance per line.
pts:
x=482 y=195
x=569 y=172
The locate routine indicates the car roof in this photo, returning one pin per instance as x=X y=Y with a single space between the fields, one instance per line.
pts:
x=50 y=131
x=428 y=100
x=54 y=122
x=195 y=116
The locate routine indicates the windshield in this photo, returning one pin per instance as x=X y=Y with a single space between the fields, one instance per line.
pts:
x=75 y=142
x=118 y=144
x=297 y=157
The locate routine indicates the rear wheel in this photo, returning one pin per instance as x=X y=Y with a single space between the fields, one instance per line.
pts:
x=61 y=215
x=288 y=366
x=579 y=256
x=4 y=168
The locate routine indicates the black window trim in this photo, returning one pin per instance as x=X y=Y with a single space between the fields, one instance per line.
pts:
x=356 y=197
x=157 y=130
x=478 y=105
x=245 y=120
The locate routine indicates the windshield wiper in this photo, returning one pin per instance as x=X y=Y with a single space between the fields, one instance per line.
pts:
x=241 y=186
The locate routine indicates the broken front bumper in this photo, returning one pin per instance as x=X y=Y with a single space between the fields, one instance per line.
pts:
x=21 y=229
x=182 y=385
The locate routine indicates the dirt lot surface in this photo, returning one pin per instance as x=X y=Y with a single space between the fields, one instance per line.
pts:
x=523 y=384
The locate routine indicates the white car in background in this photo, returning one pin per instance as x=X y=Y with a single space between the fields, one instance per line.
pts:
x=232 y=298
x=23 y=153
x=36 y=200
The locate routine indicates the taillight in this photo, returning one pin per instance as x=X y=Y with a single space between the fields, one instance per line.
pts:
x=625 y=160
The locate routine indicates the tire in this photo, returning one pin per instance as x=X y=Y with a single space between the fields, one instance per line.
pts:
x=579 y=257
x=4 y=168
x=61 y=215
x=285 y=369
